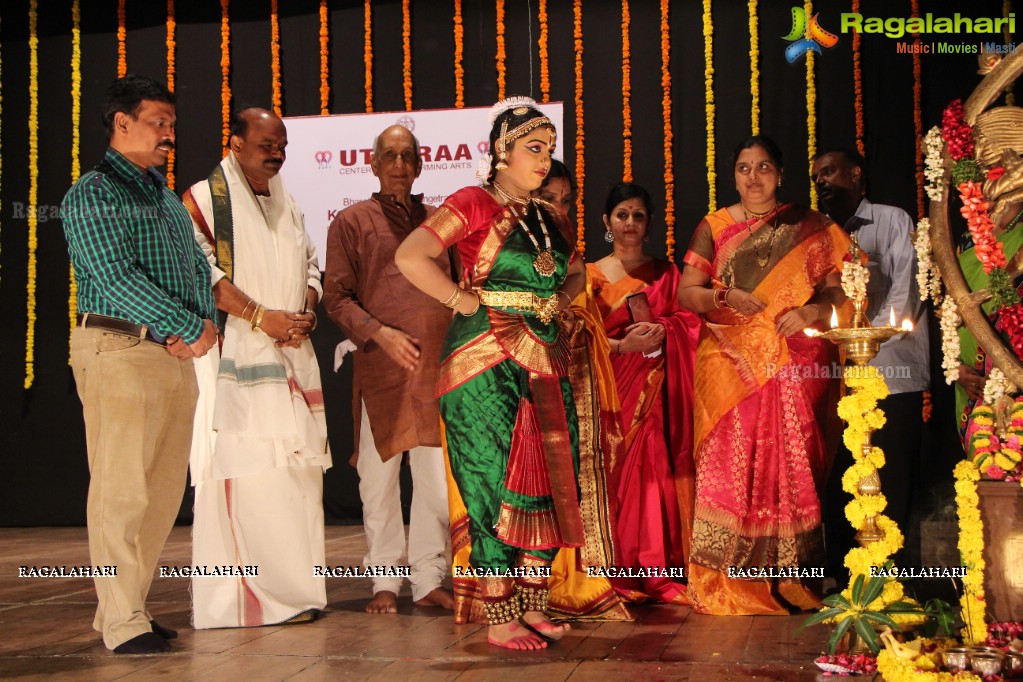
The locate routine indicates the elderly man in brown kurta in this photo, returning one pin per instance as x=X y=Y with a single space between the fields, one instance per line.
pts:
x=398 y=332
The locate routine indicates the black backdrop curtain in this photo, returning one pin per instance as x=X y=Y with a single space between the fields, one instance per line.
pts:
x=45 y=478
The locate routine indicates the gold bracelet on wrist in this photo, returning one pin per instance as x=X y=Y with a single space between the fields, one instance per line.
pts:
x=473 y=311
x=246 y=308
x=451 y=301
x=257 y=317
x=315 y=319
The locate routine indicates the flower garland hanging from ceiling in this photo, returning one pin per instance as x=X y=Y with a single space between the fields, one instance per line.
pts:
x=275 y=57
x=754 y=67
x=626 y=95
x=406 y=52
x=811 y=112
x=459 y=33
x=708 y=92
x=545 y=71
x=501 y=56
x=367 y=51
x=171 y=67
x=580 y=137
x=225 y=75
x=324 y=59
x=33 y=189
x=669 y=135
x=122 y=34
x=76 y=139
x=857 y=84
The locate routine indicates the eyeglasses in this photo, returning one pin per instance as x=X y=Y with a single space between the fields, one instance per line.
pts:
x=390 y=157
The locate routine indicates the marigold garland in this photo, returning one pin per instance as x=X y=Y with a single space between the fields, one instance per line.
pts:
x=971 y=549
x=225 y=74
x=858 y=84
x=708 y=92
x=928 y=408
x=324 y=59
x=669 y=135
x=171 y=67
x=918 y=124
x=754 y=67
x=367 y=51
x=545 y=69
x=33 y=189
x=811 y=113
x=501 y=56
x=860 y=411
x=122 y=35
x=626 y=95
x=459 y=53
x=275 y=56
x=76 y=139
x=406 y=51
x=580 y=135
x=893 y=668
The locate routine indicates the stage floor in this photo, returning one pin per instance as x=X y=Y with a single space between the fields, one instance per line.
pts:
x=46 y=633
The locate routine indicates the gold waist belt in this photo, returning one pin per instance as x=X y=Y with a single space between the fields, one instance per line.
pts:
x=522 y=301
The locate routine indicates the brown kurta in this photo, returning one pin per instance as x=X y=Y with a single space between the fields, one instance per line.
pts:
x=362 y=290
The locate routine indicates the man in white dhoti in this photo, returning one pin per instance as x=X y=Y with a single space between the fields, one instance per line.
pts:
x=259 y=447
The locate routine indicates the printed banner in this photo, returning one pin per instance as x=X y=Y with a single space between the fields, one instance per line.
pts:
x=328 y=157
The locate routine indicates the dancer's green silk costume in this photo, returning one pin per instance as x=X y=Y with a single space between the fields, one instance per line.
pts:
x=505 y=398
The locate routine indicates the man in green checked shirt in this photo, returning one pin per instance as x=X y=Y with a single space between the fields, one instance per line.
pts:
x=145 y=310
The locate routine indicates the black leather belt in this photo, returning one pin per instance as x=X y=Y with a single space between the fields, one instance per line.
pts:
x=114 y=324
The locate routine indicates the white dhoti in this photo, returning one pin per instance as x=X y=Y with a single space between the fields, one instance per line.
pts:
x=260 y=443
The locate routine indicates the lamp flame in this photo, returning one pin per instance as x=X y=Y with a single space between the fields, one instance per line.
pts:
x=834 y=317
x=907 y=325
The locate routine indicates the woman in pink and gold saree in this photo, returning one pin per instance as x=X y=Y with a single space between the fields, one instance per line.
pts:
x=652 y=341
x=760 y=272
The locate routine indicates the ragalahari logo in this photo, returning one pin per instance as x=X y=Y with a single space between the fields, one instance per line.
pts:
x=807 y=36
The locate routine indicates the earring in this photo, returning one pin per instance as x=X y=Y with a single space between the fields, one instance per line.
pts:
x=501 y=163
x=609 y=236
x=779 y=182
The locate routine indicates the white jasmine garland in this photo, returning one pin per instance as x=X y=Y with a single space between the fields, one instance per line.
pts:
x=928 y=280
x=949 y=319
x=996 y=386
x=854 y=280
x=934 y=167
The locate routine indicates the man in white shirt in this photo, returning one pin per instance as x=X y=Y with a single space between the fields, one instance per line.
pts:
x=884 y=234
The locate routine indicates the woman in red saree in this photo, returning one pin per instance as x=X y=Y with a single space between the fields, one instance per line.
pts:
x=652 y=358
x=760 y=272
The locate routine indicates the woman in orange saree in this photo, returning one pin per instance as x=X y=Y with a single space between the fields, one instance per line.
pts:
x=760 y=272
x=652 y=340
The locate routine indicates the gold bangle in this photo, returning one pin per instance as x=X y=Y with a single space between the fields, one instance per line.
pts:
x=450 y=300
x=246 y=308
x=473 y=311
x=316 y=320
x=257 y=317
x=459 y=293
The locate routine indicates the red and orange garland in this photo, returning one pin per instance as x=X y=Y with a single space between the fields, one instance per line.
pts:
x=33 y=190
x=275 y=56
x=225 y=74
x=754 y=67
x=669 y=135
x=324 y=59
x=626 y=95
x=367 y=51
x=122 y=34
x=171 y=60
x=857 y=84
x=501 y=56
x=459 y=32
x=545 y=72
x=406 y=51
x=76 y=140
x=580 y=137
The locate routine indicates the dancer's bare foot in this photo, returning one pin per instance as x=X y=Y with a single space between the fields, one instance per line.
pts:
x=383 y=601
x=437 y=597
x=513 y=635
x=544 y=627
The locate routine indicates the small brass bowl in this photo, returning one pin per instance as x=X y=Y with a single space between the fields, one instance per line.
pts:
x=986 y=664
x=1013 y=663
x=957 y=658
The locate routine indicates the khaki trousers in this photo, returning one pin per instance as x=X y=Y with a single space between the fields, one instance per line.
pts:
x=138 y=402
